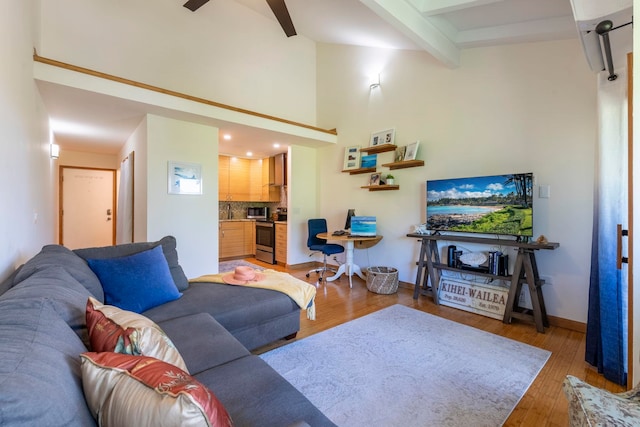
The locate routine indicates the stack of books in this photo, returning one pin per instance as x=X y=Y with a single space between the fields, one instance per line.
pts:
x=498 y=263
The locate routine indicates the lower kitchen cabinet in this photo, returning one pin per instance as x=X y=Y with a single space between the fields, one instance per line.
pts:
x=281 y=243
x=236 y=239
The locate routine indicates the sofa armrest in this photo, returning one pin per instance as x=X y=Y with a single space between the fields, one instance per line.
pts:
x=592 y=406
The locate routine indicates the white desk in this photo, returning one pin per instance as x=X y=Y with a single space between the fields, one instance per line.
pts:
x=349 y=267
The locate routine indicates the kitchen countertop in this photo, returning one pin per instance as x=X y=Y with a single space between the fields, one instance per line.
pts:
x=248 y=219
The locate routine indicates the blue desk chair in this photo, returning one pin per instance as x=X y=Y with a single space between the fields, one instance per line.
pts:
x=315 y=226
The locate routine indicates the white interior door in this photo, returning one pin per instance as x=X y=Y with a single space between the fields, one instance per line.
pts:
x=87 y=216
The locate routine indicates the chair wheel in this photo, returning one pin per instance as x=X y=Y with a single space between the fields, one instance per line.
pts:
x=307 y=275
x=319 y=279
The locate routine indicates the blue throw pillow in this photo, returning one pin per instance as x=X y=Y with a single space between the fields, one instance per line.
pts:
x=136 y=282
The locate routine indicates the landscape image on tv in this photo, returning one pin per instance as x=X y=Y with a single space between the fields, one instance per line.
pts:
x=498 y=204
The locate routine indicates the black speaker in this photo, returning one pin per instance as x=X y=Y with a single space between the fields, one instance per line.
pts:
x=451 y=256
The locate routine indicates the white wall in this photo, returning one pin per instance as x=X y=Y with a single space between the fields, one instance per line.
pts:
x=224 y=52
x=192 y=219
x=505 y=110
x=26 y=171
x=137 y=143
x=303 y=193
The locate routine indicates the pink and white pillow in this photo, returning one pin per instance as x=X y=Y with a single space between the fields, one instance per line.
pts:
x=122 y=389
x=115 y=330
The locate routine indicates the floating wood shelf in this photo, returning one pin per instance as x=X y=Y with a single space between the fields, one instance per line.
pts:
x=359 y=171
x=404 y=164
x=381 y=187
x=383 y=148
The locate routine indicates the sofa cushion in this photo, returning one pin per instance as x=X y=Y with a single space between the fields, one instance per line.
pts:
x=9 y=281
x=265 y=398
x=202 y=341
x=233 y=306
x=137 y=390
x=56 y=255
x=40 y=377
x=136 y=282
x=168 y=244
x=67 y=296
x=115 y=330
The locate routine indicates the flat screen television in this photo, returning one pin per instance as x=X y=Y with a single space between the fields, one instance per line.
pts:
x=496 y=204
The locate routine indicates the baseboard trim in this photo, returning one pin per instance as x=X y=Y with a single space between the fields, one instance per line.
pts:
x=572 y=325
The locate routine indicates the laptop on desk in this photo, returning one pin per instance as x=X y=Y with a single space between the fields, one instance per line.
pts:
x=363 y=226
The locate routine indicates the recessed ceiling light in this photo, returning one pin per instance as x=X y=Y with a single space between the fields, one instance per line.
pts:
x=276 y=145
x=249 y=153
x=226 y=137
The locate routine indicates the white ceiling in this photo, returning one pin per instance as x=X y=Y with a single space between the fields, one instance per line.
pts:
x=440 y=27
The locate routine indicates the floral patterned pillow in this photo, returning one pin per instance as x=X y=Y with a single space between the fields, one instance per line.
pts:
x=142 y=391
x=121 y=331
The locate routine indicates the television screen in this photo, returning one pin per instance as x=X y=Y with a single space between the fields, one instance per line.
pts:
x=498 y=204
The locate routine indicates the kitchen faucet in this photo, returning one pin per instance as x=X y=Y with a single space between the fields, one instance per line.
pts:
x=229 y=211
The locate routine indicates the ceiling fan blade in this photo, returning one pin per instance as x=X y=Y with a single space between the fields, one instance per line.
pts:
x=194 y=5
x=281 y=12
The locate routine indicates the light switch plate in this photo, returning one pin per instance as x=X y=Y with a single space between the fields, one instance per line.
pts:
x=544 y=191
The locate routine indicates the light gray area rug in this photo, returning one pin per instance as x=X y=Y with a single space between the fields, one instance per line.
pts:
x=403 y=367
x=226 y=266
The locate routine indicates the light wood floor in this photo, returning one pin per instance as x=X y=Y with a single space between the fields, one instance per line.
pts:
x=544 y=404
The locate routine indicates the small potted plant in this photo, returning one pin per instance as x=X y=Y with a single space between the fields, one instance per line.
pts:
x=389 y=180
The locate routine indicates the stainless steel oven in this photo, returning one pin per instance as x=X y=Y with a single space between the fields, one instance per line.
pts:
x=266 y=241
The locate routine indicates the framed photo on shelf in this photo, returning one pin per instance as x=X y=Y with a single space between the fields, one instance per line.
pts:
x=374 y=179
x=351 y=158
x=382 y=137
x=400 y=153
x=369 y=161
x=412 y=151
x=184 y=178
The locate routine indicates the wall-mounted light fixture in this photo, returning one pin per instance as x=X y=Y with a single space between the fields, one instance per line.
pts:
x=374 y=81
x=54 y=151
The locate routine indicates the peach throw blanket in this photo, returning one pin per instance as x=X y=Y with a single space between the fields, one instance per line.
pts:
x=299 y=291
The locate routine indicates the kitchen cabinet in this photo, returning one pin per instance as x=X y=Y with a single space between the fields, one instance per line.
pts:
x=246 y=180
x=236 y=239
x=281 y=243
x=233 y=179
x=270 y=193
x=239 y=183
x=255 y=180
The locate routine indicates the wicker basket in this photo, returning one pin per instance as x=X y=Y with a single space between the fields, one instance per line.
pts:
x=382 y=280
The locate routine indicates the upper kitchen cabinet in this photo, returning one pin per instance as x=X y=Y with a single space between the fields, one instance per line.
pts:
x=270 y=193
x=234 y=179
x=247 y=180
x=280 y=173
x=255 y=180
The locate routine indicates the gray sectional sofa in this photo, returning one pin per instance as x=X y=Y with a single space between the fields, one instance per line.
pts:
x=213 y=326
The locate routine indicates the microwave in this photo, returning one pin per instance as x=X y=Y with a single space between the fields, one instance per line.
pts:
x=258 y=212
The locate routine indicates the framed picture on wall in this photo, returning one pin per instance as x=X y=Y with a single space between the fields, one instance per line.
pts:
x=374 y=179
x=382 y=137
x=400 y=153
x=369 y=161
x=184 y=178
x=351 y=158
x=412 y=151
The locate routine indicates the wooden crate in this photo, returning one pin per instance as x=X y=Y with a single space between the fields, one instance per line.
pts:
x=487 y=299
